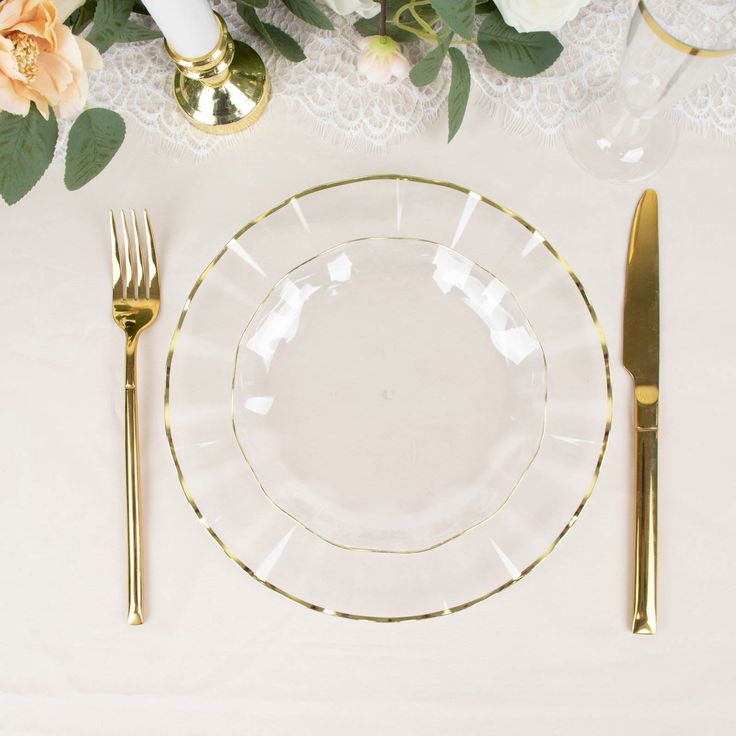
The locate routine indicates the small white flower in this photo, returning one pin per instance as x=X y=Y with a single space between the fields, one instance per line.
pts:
x=382 y=59
x=539 y=15
x=365 y=8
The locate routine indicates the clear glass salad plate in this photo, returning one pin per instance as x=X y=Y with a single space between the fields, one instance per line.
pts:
x=388 y=398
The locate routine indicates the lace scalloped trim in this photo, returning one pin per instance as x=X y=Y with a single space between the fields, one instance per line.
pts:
x=348 y=110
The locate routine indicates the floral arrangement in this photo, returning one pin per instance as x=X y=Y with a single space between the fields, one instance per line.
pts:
x=515 y=37
x=48 y=47
x=44 y=64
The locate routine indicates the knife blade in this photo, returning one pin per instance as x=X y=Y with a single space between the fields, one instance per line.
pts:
x=641 y=359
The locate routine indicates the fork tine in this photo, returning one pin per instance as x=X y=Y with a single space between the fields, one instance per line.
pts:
x=117 y=275
x=140 y=286
x=128 y=265
x=151 y=260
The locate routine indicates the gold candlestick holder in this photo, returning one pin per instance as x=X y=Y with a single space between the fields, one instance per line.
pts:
x=223 y=91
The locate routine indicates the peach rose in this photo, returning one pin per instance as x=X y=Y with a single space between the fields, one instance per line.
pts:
x=41 y=60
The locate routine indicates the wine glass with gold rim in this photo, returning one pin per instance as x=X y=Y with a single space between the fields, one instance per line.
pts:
x=671 y=48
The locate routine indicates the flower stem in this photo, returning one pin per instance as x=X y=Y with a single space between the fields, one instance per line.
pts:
x=418 y=32
x=418 y=18
x=384 y=13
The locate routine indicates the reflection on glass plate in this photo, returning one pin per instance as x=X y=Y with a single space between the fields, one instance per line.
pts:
x=388 y=398
x=363 y=369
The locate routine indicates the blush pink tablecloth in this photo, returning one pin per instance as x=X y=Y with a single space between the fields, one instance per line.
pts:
x=220 y=654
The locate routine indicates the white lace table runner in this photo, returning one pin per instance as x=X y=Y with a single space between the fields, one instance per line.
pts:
x=327 y=89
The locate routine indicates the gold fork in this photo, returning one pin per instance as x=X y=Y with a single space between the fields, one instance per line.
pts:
x=135 y=302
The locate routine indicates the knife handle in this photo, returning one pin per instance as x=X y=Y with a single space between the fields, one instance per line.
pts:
x=645 y=550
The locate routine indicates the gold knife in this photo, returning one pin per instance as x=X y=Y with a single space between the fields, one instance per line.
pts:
x=641 y=360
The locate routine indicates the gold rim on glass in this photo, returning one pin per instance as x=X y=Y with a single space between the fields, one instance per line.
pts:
x=588 y=491
x=675 y=43
x=352 y=548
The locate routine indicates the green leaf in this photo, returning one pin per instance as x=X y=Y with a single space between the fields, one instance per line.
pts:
x=253 y=3
x=112 y=24
x=458 y=14
x=93 y=140
x=428 y=67
x=484 y=8
x=514 y=53
x=251 y=18
x=110 y=17
x=309 y=13
x=82 y=17
x=131 y=31
x=457 y=101
x=27 y=145
x=275 y=37
x=284 y=43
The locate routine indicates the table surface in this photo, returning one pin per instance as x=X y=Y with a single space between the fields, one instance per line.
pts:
x=221 y=654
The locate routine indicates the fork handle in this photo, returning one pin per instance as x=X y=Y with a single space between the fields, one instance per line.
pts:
x=132 y=487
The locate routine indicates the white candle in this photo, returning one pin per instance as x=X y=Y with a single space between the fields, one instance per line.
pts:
x=189 y=26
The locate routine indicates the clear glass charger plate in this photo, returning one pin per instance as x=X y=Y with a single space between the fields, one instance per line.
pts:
x=388 y=398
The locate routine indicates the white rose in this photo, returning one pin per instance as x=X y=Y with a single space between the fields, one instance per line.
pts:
x=539 y=15
x=366 y=8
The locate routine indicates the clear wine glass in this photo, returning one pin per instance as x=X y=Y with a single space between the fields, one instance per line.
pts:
x=672 y=47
